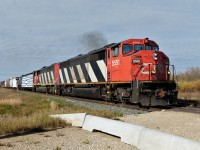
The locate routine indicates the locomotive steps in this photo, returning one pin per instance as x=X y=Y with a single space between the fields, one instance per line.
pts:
x=139 y=136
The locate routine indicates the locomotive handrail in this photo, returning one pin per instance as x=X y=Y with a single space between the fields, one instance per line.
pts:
x=149 y=71
x=135 y=74
x=167 y=68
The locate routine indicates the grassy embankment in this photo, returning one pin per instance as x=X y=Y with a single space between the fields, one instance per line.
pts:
x=24 y=112
x=189 y=84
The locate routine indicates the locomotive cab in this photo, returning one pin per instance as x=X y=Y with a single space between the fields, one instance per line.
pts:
x=140 y=73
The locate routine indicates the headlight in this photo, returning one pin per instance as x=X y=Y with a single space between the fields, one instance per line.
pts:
x=155 y=56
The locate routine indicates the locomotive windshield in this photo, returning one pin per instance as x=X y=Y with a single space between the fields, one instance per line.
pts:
x=138 y=47
x=148 y=47
x=127 y=48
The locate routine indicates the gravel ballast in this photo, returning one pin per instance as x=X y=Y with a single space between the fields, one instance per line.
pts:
x=103 y=107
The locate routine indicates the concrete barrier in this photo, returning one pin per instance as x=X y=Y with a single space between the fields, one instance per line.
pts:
x=154 y=140
x=128 y=133
x=76 y=120
x=139 y=136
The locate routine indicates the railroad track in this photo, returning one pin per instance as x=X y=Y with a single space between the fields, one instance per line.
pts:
x=182 y=105
x=191 y=106
x=189 y=109
x=111 y=103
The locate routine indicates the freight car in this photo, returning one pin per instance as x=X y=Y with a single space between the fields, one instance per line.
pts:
x=26 y=82
x=133 y=71
x=9 y=83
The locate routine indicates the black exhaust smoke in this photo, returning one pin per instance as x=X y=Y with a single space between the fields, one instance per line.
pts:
x=94 y=40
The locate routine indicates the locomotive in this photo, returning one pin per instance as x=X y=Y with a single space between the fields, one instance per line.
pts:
x=131 y=71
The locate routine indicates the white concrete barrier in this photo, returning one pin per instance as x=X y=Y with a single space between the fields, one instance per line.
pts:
x=155 y=140
x=76 y=120
x=139 y=136
x=128 y=133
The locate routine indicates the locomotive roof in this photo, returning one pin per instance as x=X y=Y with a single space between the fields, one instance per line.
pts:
x=103 y=48
x=84 y=55
x=95 y=51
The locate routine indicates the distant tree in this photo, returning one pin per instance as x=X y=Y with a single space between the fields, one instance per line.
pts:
x=191 y=74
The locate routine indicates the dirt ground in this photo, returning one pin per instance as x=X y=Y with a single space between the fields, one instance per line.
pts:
x=178 y=123
x=68 y=138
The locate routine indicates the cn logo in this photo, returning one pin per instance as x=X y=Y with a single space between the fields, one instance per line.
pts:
x=115 y=62
x=145 y=69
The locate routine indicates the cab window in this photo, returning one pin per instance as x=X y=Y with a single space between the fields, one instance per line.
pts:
x=155 y=48
x=127 y=48
x=138 y=47
x=108 y=54
x=148 y=47
x=115 y=51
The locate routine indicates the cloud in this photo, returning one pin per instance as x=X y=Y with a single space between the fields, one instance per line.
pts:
x=37 y=33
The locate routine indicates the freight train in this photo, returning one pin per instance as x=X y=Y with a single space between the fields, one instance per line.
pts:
x=131 y=71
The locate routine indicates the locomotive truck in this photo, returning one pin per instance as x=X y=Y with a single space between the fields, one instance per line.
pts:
x=133 y=71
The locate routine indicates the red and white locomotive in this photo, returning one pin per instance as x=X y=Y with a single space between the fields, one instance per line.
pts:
x=133 y=71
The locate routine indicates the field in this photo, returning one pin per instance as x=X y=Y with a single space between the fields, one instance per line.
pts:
x=22 y=112
x=189 y=84
x=189 y=95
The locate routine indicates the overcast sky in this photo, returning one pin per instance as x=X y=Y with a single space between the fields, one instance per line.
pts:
x=37 y=33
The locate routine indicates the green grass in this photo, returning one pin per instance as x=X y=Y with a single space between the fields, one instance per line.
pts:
x=25 y=111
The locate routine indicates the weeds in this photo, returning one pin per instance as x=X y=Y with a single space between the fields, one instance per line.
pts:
x=189 y=81
x=34 y=122
x=86 y=141
x=58 y=148
x=25 y=112
x=14 y=101
x=188 y=86
x=47 y=135
x=191 y=74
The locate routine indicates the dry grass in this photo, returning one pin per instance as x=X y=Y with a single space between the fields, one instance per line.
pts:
x=24 y=112
x=34 y=122
x=189 y=81
x=86 y=141
x=53 y=105
x=189 y=95
x=191 y=74
x=13 y=101
x=187 y=86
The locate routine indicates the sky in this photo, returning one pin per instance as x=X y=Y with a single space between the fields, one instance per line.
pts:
x=37 y=33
